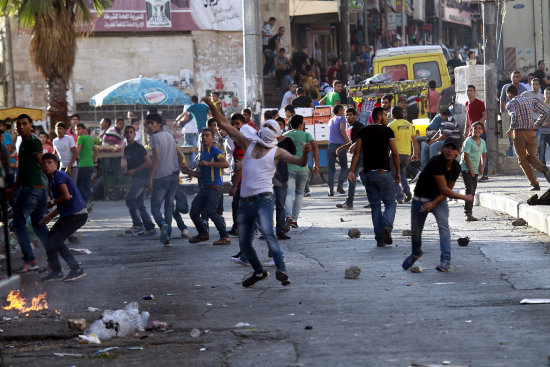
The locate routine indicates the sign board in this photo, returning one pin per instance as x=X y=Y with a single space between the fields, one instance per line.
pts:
x=170 y=15
x=455 y=15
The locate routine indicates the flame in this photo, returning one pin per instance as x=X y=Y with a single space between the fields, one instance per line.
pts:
x=17 y=302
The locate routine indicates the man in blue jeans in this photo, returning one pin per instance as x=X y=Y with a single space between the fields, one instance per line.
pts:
x=32 y=198
x=256 y=206
x=376 y=141
x=138 y=165
x=163 y=179
x=337 y=137
x=434 y=186
x=211 y=164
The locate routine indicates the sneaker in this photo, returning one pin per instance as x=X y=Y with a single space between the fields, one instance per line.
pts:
x=408 y=198
x=415 y=178
x=53 y=276
x=283 y=236
x=184 y=233
x=270 y=263
x=444 y=266
x=344 y=205
x=164 y=233
x=134 y=229
x=288 y=223
x=74 y=275
x=410 y=260
x=330 y=192
x=282 y=277
x=340 y=190
x=386 y=233
x=307 y=194
x=27 y=267
x=471 y=218
x=238 y=260
x=294 y=224
x=535 y=188
x=253 y=279
x=167 y=244
x=148 y=232
x=486 y=178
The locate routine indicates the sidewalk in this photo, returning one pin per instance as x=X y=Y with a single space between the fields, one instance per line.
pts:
x=508 y=193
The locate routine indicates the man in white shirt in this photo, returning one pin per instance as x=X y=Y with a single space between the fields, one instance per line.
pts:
x=289 y=95
x=65 y=148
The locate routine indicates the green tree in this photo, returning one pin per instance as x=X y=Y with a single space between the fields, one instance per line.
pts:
x=54 y=27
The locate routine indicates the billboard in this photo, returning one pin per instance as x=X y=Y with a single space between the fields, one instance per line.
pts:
x=170 y=15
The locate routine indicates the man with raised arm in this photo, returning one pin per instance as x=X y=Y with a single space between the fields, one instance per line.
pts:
x=261 y=156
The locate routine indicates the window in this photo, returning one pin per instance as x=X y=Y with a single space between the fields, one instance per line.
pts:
x=397 y=72
x=428 y=70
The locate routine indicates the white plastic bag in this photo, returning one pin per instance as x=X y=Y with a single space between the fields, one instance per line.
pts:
x=119 y=322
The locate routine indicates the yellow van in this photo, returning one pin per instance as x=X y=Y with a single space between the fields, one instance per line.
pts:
x=413 y=62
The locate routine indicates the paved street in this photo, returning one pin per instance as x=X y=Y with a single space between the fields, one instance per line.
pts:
x=386 y=317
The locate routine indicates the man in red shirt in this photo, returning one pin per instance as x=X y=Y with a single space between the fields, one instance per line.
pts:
x=475 y=112
x=333 y=71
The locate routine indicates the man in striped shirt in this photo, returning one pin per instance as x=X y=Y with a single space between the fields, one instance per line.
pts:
x=523 y=133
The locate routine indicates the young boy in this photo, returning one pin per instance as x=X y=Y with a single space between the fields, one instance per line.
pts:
x=138 y=165
x=72 y=215
x=45 y=144
x=434 y=186
x=472 y=164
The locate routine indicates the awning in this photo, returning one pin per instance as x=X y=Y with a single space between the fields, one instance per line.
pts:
x=13 y=112
x=304 y=7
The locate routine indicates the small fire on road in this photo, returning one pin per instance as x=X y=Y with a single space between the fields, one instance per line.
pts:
x=19 y=303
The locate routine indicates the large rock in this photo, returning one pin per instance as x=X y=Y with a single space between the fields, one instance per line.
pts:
x=354 y=233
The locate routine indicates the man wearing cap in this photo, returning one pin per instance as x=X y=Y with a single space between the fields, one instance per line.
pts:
x=256 y=206
x=434 y=186
x=522 y=131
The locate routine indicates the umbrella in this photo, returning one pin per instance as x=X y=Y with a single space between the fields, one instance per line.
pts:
x=142 y=91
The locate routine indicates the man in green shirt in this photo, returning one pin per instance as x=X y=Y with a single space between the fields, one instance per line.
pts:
x=297 y=175
x=85 y=148
x=31 y=198
x=333 y=98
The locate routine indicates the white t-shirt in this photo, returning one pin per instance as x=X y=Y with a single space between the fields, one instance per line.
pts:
x=63 y=148
x=287 y=98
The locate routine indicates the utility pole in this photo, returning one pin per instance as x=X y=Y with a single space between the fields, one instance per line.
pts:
x=252 y=55
x=491 y=79
x=440 y=22
x=403 y=21
x=344 y=33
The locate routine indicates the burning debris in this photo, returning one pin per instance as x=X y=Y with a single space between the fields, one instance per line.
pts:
x=19 y=303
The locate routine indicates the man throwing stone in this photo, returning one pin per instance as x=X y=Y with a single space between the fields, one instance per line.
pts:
x=256 y=205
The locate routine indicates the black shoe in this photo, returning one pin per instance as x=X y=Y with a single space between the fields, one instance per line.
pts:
x=233 y=232
x=386 y=233
x=330 y=192
x=344 y=205
x=535 y=188
x=380 y=243
x=282 y=277
x=253 y=279
x=408 y=198
x=238 y=254
x=74 y=275
x=341 y=190
x=283 y=236
x=261 y=237
x=53 y=276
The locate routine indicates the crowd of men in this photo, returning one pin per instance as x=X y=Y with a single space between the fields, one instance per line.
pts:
x=269 y=172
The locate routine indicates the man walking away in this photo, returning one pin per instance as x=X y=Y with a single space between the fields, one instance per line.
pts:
x=138 y=166
x=85 y=149
x=72 y=213
x=32 y=198
x=163 y=179
x=337 y=137
x=434 y=186
x=376 y=141
x=523 y=133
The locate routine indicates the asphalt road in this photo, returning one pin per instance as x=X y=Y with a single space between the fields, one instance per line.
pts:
x=386 y=317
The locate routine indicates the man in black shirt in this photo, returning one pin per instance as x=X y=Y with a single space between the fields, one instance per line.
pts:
x=376 y=141
x=270 y=51
x=138 y=165
x=299 y=59
x=302 y=100
x=356 y=126
x=434 y=186
x=541 y=76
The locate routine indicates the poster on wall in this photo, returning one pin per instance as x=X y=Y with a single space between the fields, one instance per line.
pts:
x=170 y=15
